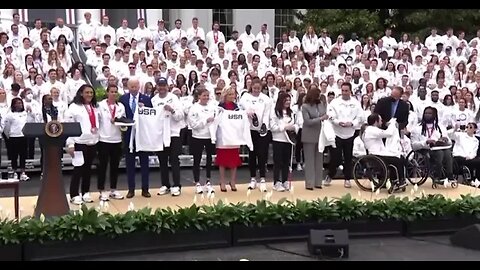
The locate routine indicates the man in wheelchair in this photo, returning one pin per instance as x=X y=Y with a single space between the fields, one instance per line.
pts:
x=390 y=151
x=432 y=136
x=465 y=149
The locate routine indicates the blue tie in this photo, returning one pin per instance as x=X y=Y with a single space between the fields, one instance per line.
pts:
x=134 y=104
x=394 y=108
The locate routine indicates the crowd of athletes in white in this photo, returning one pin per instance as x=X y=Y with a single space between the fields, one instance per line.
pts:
x=190 y=58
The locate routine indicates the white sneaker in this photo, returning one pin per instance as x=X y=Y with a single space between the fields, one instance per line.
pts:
x=24 y=177
x=263 y=185
x=86 y=198
x=279 y=187
x=116 y=195
x=327 y=181
x=299 y=167
x=253 y=184
x=175 y=191
x=163 y=190
x=347 y=184
x=198 y=188
x=77 y=200
x=104 y=196
x=286 y=185
x=209 y=188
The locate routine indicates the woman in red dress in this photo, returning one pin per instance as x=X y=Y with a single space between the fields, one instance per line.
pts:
x=228 y=157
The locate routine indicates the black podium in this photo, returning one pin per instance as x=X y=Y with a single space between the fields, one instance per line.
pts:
x=52 y=200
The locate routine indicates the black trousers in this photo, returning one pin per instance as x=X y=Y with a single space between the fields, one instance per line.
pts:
x=8 y=146
x=472 y=164
x=108 y=154
x=83 y=172
x=442 y=159
x=260 y=152
x=345 y=147
x=282 y=153
x=197 y=149
x=18 y=148
x=171 y=154
x=299 y=148
x=399 y=163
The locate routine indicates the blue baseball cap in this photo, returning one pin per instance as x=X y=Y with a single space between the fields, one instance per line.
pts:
x=162 y=81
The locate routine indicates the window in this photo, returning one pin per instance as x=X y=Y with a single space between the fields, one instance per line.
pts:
x=166 y=18
x=283 y=20
x=225 y=18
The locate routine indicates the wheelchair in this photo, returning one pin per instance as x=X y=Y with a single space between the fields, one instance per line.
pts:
x=419 y=169
x=371 y=169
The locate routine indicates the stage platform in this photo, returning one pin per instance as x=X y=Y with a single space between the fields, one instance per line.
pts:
x=188 y=196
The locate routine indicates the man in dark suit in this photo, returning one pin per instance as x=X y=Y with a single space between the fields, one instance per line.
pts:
x=393 y=106
x=131 y=101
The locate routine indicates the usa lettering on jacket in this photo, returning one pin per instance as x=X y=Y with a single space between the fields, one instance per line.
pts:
x=232 y=129
x=151 y=131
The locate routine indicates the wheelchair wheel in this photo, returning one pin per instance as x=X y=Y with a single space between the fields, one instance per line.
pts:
x=370 y=169
x=454 y=184
x=417 y=167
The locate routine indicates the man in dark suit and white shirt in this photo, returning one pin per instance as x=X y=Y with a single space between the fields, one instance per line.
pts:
x=131 y=100
x=393 y=107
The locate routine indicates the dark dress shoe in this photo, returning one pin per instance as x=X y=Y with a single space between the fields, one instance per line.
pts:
x=146 y=194
x=309 y=188
x=130 y=194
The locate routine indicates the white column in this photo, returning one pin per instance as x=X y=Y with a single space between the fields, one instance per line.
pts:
x=6 y=18
x=152 y=17
x=96 y=15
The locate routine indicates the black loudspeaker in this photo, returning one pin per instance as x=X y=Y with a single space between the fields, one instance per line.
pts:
x=329 y=243
x=468 y=237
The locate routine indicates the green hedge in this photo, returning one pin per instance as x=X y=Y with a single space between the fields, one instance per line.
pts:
x=90 y=221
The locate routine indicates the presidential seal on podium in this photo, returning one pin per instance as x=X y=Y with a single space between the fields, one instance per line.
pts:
x=54 y=129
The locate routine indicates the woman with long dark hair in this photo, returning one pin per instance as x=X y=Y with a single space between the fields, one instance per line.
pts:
x=48 y=113
x=84 y=110
x=282 y=120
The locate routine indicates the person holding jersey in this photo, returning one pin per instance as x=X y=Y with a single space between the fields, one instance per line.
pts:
x=83 y=110
x=258 y=107
x=432 y=135
x=282 y=121
x=131 y=101
x=171 y=104
x=389 y=153
x=14 y=122
x=228 y=156
x=110 y=143
x=200 y=117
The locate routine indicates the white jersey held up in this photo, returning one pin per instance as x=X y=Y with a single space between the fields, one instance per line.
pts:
x=151 y=131
x=233 y=130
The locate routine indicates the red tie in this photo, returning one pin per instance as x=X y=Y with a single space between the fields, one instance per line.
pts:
x=215 y=37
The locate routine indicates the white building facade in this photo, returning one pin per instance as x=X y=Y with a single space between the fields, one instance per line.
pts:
x=277 y=20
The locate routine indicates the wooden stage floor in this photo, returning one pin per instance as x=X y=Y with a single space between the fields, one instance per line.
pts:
x=188 y=197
